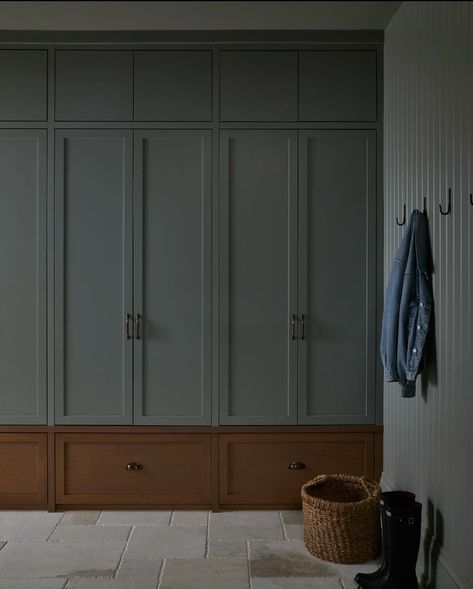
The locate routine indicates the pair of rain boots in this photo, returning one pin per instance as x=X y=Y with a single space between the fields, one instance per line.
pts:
x=401 y=529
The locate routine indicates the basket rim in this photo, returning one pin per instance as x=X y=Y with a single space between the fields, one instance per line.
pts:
x=371 y=487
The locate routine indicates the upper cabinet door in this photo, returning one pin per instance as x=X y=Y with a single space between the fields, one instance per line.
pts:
x=93 y=208
x=94 y=85
x=258 y=86
x=23 y=272
x=337 y=276
x=337 y=86
x=172 y=277
x=173 y=86
x=23 y=84
x=258 y=284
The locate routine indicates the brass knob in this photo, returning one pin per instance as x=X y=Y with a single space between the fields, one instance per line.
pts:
x=134 y=466
x=296 y=466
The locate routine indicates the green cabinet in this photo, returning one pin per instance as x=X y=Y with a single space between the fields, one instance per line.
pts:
x=172 y=299
x=23 y=272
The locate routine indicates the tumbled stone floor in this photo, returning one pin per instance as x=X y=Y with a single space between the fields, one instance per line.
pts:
x=162 y=550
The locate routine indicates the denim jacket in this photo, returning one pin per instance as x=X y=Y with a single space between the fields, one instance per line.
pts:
x=408 y=307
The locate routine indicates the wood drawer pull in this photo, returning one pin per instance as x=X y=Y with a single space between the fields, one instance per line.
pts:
x=134 y=466
x=296 y=466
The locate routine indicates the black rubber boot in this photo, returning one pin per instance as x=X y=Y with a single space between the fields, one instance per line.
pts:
x=403 y=526
x=390 y=498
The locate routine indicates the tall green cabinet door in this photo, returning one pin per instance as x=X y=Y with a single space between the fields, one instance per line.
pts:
x=93 y=273
x=258 y=277
x=337 y=277
x=172 y=218
x=23 y=276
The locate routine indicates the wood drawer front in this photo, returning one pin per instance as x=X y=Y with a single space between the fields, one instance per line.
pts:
x=254 y=467
x=23 y=464
x=91 y=469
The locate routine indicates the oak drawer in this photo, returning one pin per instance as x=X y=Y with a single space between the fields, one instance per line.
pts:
x=167 y=469
x=23 y=464
x=255 y=468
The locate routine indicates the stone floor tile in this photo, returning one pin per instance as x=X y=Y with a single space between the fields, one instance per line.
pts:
x=286 y=559
x=294 y=531
x=77 y=583
x=350 y=570
x=190 y=518
x=144 y=568
x=80 y=518
x=59 y=559
x=27 y=526
x=227 y=549
x=292 y=517
x=91 y=534
x=210 y=574
x=259 y=525
x=349 y=583
x=32 y=583
x=167 y=542
x=295 y=583
x=134 y=518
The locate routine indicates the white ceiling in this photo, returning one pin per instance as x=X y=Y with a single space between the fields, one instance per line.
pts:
x=195 y=15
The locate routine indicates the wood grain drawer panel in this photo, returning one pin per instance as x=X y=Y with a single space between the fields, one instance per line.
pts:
x=23 y=464
x=254 y=467
x=91 y=469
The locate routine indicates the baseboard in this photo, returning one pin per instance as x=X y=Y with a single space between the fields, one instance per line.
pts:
x=452 y=574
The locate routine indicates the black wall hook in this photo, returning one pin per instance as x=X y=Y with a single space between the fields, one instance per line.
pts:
x=403 y=216
x=425 y=206
x=449 y=207
x=471 y=199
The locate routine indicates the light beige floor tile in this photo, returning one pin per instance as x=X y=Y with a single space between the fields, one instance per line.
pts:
x=91 y=534
x=111 y=584
x=349 y=583
x=32 y=583
x=59 y=559
x=80 y=518
x=246 y=524
x=294 y=532
x=190 y=518
x=27 y=526
x=292 y=517
x=208 y=574
x=167 y=542
x=227 y=549
x=134 y=518
x=295 y=583
x=144 y=568
x=286 y=559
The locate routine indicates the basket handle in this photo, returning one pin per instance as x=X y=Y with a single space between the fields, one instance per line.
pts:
x=368 y=486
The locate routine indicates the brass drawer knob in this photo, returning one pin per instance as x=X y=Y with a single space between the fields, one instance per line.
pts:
x=296 y=466
x=134 y=466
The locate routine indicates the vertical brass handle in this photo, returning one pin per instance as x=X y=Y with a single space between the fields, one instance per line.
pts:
x=302 y=326
x=293 y=327
x=138 y=326
x=127 y=326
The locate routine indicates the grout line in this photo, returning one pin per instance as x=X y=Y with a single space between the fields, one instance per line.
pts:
x=55 y=527
x=161 y=572
x=124 y=550
x=282 y=524
x=172 y=517
x=207 y=536
x=248 y=562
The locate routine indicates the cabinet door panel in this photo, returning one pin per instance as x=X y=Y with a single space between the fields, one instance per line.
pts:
x=23 y=272
x=258 y=85
x=173 y=86
x=94 y=85
x=93 y=276
x=172 y=276
x=337 y=86
x=258 y=227
x=337 y=276
x=23 y=84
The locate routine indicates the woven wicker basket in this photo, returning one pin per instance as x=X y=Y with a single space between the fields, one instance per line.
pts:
x=341 y=518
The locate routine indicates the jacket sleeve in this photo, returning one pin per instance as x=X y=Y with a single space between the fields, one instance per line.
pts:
x=390 y=323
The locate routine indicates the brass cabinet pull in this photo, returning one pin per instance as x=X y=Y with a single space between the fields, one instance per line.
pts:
x=296 y=466
x=127 y=326
x=302 y=326
x=138 y=326
x=134 y=466
x=293 y=327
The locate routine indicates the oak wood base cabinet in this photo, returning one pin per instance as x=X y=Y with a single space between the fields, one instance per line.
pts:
x=120 y=467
